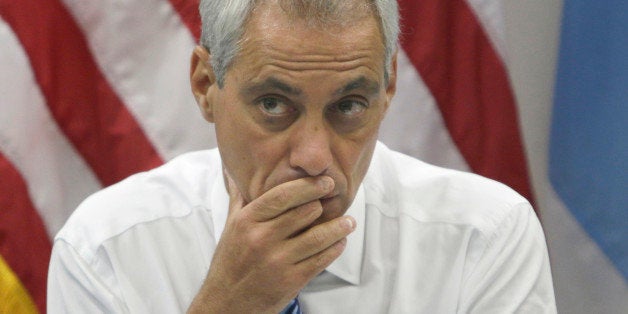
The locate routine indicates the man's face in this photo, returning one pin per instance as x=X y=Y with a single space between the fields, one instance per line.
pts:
x=301 y=101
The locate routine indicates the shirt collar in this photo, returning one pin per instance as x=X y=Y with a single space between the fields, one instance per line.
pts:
x=347 y=266
x=219 y=206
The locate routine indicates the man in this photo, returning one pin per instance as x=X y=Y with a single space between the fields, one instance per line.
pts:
x=300 y=208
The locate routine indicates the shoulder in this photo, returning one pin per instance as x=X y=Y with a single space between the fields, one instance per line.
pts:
x=399 y=185
x=169 y=191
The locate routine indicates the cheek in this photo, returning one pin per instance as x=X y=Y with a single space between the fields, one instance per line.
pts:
x=235 y=144
x=355 y=157
x=250 y=155
x=229 y=134
x=364 y=160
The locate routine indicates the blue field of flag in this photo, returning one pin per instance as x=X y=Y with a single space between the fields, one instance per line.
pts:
x=589 y=139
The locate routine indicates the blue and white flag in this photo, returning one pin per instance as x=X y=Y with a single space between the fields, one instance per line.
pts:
x=588 y=164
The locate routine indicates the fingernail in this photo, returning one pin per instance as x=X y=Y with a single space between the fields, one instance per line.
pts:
x=348 y=223
x=326 y=183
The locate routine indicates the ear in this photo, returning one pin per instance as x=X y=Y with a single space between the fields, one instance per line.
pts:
x=203 y=82
x=392 y=79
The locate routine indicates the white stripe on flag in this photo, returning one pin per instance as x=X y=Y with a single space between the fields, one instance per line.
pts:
x=57 y=178
x=130 y=41
x=414 y=122
x=490 y=15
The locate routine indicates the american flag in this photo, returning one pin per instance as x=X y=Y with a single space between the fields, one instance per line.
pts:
x=93 y=91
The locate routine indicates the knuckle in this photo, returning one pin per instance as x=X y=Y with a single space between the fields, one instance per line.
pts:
x=322 y=260
x=272 y=203
x=315 y=206
x=239 y=223
x=318 y=209
x=329 y=255
x=277 y=260
x=317 y=238
x=310 y=209
x=256 y=239
x=279 y=198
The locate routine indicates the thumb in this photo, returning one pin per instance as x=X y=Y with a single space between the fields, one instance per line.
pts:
x=236 y=201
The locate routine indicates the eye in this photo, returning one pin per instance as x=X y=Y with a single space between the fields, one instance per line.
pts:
x=349 y=107
x=274 y=106
x=349 y=114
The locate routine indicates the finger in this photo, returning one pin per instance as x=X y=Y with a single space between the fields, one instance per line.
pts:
x=236 y=200
x=289 y=195
x=316 y=263
x=293 y=221
x=319 y=238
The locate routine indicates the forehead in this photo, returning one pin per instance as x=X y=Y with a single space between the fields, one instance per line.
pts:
x=273 y=34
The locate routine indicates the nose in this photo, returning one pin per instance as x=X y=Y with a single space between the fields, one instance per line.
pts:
x=310 y=149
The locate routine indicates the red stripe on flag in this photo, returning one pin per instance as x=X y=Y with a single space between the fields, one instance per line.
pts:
x=449 y=48
x=24 y=243
x=188 y=11
x=80 y=99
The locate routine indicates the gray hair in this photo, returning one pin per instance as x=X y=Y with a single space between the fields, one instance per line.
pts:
x=223 y=24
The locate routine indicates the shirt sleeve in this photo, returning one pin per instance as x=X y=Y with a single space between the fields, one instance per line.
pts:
x=76 y=286
x=512 y=275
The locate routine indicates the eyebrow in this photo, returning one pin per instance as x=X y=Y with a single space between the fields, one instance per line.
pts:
x=360 y=83
x=272 y=83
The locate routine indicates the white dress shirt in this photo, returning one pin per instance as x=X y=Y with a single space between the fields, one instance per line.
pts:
x=428 y=240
